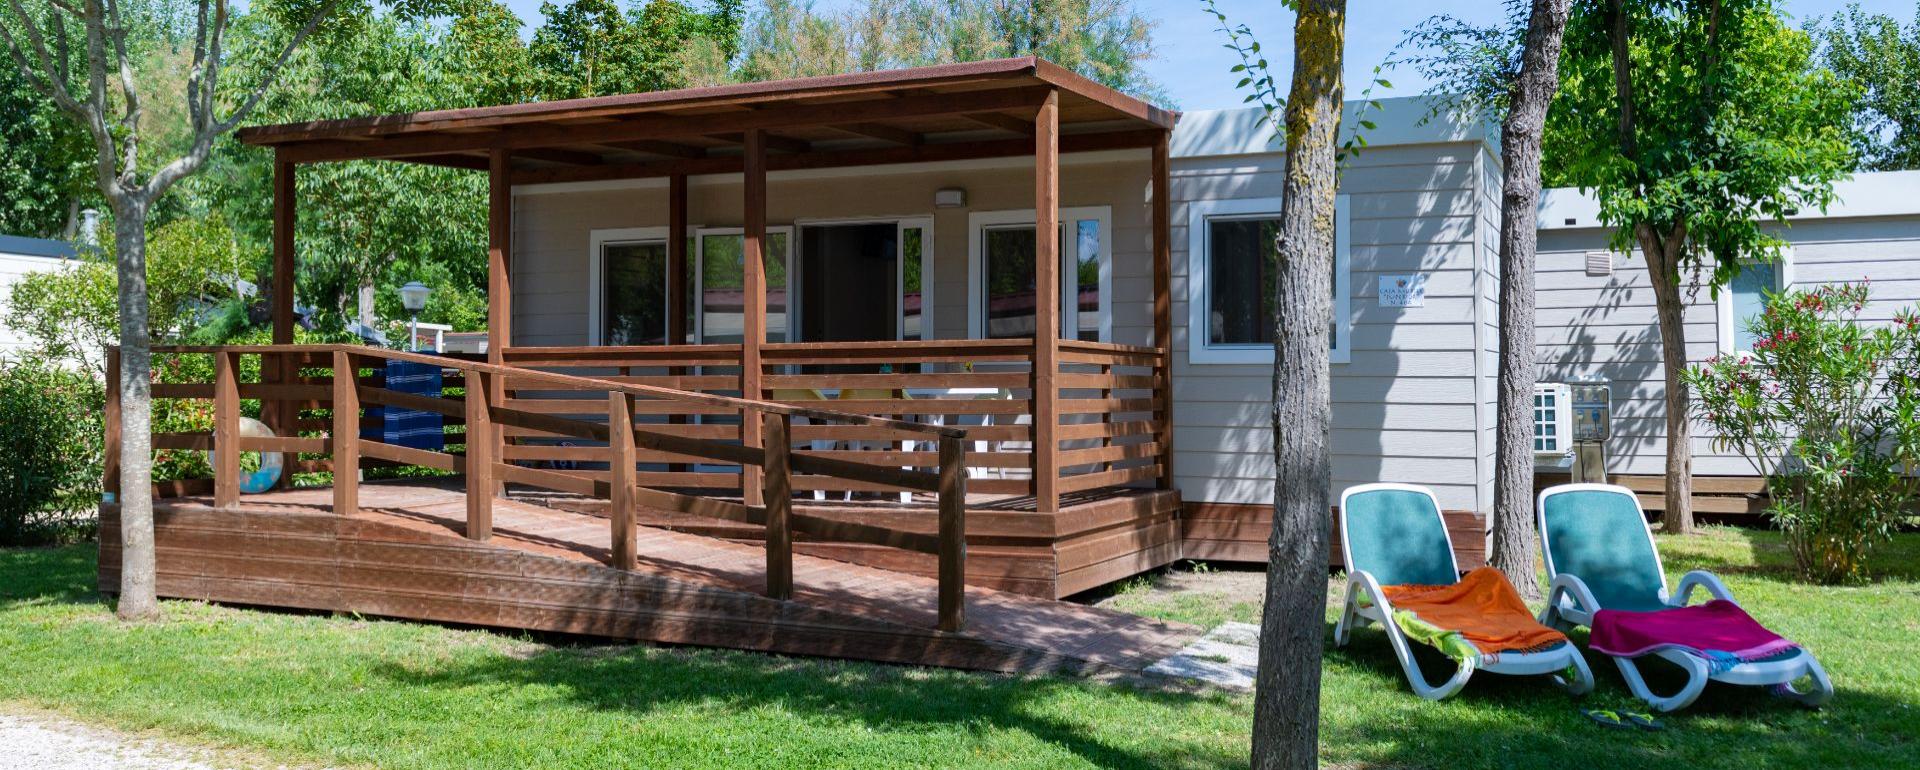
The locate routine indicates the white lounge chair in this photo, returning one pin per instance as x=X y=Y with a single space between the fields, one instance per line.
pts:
x=1600 y=554
x=1394 y=534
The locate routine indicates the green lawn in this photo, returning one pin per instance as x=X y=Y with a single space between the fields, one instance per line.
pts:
x=348 y=691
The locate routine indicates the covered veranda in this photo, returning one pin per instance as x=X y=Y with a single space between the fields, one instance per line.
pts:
x=1066 y=465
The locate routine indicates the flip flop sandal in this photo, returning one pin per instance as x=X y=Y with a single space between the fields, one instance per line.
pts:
x=1611 y=720
x=1643 y=721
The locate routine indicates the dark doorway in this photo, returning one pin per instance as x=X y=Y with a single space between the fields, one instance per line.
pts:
x=849 y=282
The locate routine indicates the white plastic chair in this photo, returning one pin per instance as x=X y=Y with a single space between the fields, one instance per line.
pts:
x=1597 y=536
x=1419 y=551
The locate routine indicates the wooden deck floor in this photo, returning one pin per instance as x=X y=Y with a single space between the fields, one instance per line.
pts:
x=545 y=569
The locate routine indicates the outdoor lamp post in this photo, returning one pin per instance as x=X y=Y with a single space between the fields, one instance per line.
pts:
x=413 y=297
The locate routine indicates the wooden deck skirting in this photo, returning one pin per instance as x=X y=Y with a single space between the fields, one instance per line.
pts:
x=1738 y=498
x=1238 y=532
x=404 y=555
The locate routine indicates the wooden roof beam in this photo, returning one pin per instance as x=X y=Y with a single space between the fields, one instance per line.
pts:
x=882 y=132
x=993 y=148
x=554 y=155
x=1002 y=121
x=656 y=147
x=780 y=143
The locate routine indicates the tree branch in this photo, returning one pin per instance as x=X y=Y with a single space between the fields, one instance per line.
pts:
x=273 y=72
x=1623 y=79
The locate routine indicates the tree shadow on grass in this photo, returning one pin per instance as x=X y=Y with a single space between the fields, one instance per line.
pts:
x=1763 y=555
x=64 y=574
x=643 y=681
x=1524 y=721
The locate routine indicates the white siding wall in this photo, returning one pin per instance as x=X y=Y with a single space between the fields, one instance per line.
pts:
x=552 y=231
x=1605 y=326
x=12 y=268
x=1405 y=407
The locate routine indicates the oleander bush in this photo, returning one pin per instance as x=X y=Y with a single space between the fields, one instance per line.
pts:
x=1828 y=409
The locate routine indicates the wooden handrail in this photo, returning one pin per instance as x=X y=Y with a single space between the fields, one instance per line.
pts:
x=576 y=381
x=484 y=472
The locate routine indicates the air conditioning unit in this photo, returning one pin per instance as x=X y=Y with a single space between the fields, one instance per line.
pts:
x=1552 y=419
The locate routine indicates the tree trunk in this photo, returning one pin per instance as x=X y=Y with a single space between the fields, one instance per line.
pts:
x=1286 y=717
x=1662 y=256
x=1533 y=90
x=137 y=600
x=364 y=310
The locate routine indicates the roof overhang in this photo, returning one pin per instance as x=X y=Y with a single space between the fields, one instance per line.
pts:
x=946 y=112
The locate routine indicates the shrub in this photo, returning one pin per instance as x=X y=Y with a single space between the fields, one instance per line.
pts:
x=1829 y=411
x=50 y=417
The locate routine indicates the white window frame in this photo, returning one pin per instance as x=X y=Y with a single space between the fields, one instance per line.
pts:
x=979 y=221
x=696 y=264
x=921 y=222
x=1783 y=280
x=1200 y=350
x=597 y=241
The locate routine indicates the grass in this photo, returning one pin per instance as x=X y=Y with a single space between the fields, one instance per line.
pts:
x=349 y=691
x=1867 y=637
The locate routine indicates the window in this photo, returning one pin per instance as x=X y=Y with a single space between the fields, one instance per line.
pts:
x=1002 y=247
x=721 y=284
x=1231 y=265
x=627 y=291
x=1746 y=297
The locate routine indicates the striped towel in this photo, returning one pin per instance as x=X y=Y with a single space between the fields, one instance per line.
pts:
x=410 y=427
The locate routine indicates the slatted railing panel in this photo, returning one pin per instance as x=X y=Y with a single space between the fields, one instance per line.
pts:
x=1113 y=409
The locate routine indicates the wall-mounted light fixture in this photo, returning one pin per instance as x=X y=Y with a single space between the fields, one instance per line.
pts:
x=949 y=198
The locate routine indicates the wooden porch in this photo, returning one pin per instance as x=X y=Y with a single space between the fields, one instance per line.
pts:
x=407 y=553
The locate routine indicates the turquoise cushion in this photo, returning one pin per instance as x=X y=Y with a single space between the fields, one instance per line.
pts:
x=1600 y=537
x=1399 y=537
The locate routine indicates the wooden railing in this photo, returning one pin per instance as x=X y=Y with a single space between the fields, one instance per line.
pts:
x=628 y=437
x=1113 y=402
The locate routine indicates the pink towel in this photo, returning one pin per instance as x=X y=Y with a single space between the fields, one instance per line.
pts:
x=1718 y=631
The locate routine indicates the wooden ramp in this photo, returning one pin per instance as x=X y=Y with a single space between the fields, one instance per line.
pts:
x=405 y=556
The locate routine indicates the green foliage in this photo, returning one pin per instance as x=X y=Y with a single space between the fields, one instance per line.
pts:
x=46 y=162
x=1733 y=126
x=1883 y=60
x=1829 y=410
x=1106 y=40
x=1469 y=65
x=50 y=458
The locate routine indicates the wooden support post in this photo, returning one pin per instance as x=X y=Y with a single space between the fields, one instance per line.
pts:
x=754 y=302
x=620 y=460
x=499 y=292
x=110 y=461
x=677 y=263
x=779 y=502
x=953 y=533
x=226 y=429
x=1163 y=305
x=346 y=435
x=481 y=484
x=678 y=281
x=283 y=259
x=1046 y=304
x=282 y=415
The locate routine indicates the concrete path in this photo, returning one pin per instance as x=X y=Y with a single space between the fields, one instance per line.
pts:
x=41 y=741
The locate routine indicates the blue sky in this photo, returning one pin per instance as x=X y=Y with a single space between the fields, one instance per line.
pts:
x=1192 y=66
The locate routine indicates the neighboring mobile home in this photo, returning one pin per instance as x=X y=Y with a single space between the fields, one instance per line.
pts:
x=20 y=257
x=1596 y=316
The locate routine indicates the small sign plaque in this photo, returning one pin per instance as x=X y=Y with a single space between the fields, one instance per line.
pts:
x=1403 y=290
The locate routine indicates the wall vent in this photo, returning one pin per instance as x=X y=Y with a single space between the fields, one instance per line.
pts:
x=1599 y=263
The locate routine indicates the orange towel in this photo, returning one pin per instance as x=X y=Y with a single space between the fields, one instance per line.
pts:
x=1482 y=607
